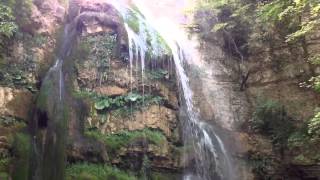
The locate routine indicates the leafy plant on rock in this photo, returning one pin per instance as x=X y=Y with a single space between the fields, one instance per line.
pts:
x=271 y=119
x=108 y=103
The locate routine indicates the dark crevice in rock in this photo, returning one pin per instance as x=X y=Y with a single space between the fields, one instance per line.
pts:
x=43 y=119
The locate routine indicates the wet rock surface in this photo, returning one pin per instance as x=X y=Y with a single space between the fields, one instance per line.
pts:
x=146 y=128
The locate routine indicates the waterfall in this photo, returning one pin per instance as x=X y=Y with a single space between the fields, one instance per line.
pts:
x=211 y=159
x=49 y=125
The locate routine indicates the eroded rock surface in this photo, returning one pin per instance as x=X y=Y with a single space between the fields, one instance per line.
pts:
x=16 y=103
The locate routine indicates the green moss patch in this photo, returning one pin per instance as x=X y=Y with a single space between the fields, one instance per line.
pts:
x=21 y=152
x=133 y=21
x=4 y=164
x=122 y=139
x=85 y=171
x=4 y=175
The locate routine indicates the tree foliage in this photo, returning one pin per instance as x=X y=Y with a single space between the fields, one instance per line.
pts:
x=7 y=25
x=298 y=17
x=303 y=15
x=271 y=119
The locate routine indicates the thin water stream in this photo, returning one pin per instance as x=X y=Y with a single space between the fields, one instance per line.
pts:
x=211 y=159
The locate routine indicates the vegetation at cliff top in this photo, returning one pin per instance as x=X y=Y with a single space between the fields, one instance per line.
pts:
x=299 y=16
x=245 y=22
x=86 y=171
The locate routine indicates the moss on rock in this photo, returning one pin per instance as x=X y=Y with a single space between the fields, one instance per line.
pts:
x=85 y=171
x=21 y=152
x=124 y=138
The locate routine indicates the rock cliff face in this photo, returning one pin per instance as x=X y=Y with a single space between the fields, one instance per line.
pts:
x=233 y=91
x=28 y=56
x=153 y=107
x=129 y=120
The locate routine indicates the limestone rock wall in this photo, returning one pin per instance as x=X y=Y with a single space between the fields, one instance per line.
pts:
x=141 y=124
x=271 y=71
x=28 y=56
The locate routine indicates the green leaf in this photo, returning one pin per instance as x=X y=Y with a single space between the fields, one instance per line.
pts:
x=219 y=26
x=102 y=104
x=133 y=97
x=18 y=77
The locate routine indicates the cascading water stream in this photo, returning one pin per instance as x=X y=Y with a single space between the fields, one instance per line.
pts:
x=211 y=159
x=49 y=126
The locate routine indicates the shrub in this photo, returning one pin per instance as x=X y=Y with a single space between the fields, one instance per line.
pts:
x=304 y=142
x=270 y=118
x=261 y=165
